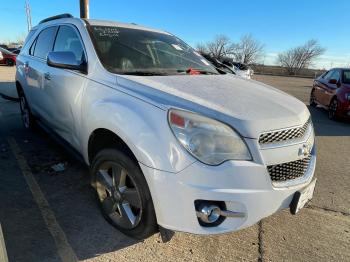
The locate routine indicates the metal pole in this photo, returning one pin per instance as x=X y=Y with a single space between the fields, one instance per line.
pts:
x=28 y=14
x=84 y=9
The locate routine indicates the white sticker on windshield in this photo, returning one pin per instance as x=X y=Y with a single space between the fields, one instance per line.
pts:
x=205 y=62
x=106 y=31
x=177 y=47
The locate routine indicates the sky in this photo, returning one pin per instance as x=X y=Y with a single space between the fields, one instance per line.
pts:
x=279 y=25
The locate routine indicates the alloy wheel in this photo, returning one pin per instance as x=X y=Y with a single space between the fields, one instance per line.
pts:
x=119 y=196
x=332 y=110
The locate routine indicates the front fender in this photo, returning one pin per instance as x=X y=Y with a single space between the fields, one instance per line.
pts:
x=142 y=126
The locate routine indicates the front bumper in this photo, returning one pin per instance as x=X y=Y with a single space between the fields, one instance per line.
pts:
x=244 y=186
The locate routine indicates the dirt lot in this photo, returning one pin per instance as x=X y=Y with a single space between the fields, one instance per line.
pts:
x=53 y=216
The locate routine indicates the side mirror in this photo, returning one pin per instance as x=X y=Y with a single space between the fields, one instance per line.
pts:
x=66 y=60
x=333 y=81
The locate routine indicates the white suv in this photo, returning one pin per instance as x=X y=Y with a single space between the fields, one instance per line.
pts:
x=170 y=140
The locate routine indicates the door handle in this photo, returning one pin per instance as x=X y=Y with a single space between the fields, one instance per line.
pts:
x=47 y=76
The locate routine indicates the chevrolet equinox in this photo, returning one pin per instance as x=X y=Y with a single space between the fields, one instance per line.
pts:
x=170 y=140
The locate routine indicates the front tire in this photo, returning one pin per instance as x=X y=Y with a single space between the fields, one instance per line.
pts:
x=10 y=62
x=123 y=194
x=313 y=99
x=28 y=119
x=333 y=109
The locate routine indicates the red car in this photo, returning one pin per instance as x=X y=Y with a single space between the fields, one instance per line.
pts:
x=332 y=91
x=7 y=58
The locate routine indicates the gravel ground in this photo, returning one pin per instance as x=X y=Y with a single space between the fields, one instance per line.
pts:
x=319 y=232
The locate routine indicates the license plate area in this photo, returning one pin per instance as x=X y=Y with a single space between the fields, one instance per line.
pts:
x=301 y=197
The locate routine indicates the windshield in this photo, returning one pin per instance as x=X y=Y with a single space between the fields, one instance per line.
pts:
x=133 y=51
x=346 y=76
x=4 y=51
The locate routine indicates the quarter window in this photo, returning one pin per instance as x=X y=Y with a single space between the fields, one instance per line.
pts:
x=68 y=40
x=44 y=42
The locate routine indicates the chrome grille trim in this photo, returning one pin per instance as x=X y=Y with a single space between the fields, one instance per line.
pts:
x=290 y=170
x=284 y=135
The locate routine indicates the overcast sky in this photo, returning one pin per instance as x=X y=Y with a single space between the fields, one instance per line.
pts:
x=278 y=24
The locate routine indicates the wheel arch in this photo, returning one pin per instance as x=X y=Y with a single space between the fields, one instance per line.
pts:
x=102 y=138
x=334 y=97
x=19 y=87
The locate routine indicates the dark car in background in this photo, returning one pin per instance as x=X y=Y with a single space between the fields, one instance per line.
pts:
x=218 y=64
x=332 y=91
x=7 y=58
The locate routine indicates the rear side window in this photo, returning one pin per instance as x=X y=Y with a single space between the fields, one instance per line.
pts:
x=44 y=42
x=68 y=40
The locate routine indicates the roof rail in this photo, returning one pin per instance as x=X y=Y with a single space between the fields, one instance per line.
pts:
x=56 y=17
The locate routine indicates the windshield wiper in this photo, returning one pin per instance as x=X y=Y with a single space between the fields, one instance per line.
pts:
x=144 y=73
x=196 y=71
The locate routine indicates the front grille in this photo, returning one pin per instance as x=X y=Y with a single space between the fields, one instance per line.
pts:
x=284 y=135
x=289 y=170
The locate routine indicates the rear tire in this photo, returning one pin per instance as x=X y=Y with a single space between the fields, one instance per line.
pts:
x=123 y=194
x=28 y=119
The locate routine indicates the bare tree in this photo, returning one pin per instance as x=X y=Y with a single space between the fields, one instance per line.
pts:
x=202 y=48
x=219 y=48
x=297 y=58
x=248 y=50
x=20 y=38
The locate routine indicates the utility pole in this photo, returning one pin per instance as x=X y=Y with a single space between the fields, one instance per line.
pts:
x=84 y=9
x=29 y=16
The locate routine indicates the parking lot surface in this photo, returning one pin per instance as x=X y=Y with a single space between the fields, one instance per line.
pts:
x=53 y=216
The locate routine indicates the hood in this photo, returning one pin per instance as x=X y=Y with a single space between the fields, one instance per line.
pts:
x=248 y=106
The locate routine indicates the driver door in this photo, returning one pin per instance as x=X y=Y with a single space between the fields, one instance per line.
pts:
x=331 y=88
x=64 y=88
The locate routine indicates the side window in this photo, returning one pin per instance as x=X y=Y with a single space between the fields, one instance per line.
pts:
x=44 y=42
x=31 y=49
x=335 y=75
x=346 y=77
x=68 y=40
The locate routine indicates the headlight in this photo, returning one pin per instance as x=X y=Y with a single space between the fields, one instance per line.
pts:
x=208 y=140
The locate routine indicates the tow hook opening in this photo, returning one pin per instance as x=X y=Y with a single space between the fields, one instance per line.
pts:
x=209 y=212
x=213 y=213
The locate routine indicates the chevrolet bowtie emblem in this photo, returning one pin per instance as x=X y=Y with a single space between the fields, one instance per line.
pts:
x=305 y=150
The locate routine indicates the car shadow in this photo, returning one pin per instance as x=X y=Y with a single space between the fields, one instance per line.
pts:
x=69 y=194
x=8 y=90
x=325 y=127
x=71 y=197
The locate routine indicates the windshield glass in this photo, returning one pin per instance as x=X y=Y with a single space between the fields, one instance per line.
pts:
x=133 y=51
x=4 y=51
x=346 y=76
